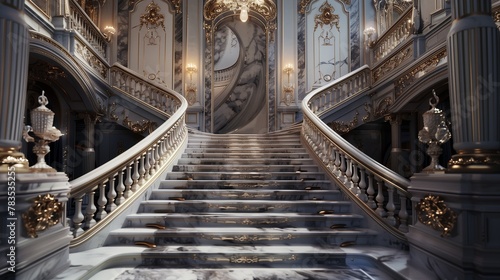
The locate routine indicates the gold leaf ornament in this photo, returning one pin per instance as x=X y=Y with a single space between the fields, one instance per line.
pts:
x=45 y=212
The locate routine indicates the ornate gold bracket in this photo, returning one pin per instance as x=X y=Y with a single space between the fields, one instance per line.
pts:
x=44 y=212
x=433 y=212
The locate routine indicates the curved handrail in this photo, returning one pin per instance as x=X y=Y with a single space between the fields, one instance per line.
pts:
x=123 y=179
x=355 y=172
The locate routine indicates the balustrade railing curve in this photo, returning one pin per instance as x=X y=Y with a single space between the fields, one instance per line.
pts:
x=111 y=188
x=379 y=191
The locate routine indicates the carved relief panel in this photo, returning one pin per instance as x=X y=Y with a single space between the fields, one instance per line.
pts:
x=151 y=41
x=327 y=42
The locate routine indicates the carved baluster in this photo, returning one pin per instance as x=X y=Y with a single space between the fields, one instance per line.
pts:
x=362 y=185
x=101 y=202
x=152 y=161
x=111 y=194
x=329 y=156
x=371 y=193
x=147 y=165
x=348 y=174
x=403 y=214
x=355 y=179
x=119 y=189
x=390 y=206
x=142 y=169
x=89 y=211
x=135 y=176
x=157 y=156
x=338 y=161
x=128 y=181
x=380 y=198
x=78 y=216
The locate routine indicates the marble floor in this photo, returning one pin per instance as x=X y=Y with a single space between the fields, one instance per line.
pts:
x=141 y=273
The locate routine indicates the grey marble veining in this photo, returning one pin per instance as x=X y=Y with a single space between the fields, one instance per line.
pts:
x=240 y=274
x=354 y=22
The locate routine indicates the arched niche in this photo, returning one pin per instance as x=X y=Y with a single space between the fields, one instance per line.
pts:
x=239 y=90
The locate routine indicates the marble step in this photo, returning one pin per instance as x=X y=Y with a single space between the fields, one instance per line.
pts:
x=245 y=236
x=285 y=256
x=216 y=220
x=243 y=152
x=153 y=272
x=218 y=175
x=240 y=161
x=247 y=184
x=277 y=147
x=204 y=194
x=238 y=206
x=253 y=168
x=224 y=153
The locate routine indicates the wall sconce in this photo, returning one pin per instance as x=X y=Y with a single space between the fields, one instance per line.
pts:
x=369 y=32
x=108 y=32
x=190 y=86
x=288 y=88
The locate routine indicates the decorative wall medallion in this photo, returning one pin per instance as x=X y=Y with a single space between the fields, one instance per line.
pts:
x=326 y=17
x=152 y=19
x=433 y=212
x=44 y=212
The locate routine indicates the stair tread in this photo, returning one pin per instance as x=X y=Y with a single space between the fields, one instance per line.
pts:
x=246 y=215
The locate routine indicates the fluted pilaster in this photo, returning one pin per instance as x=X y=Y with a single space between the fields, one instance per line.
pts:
x=474 y=44
x=14 y=56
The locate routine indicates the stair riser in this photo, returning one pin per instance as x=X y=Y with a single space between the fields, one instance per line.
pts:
x=305 y=208
x=224 y=222
x=224 y=154
x=275 y=195
x=241 y=239
x=241 y=161
x=241 y=185
x=296 y=261
x=242 y=168
x=244 y=176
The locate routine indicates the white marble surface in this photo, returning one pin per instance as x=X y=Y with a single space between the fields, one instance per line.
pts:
x=110 y=262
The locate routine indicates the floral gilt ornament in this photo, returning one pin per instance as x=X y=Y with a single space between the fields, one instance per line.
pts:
x=326 y=17
x=433 y=212
x=152 y=18
x=46 y=211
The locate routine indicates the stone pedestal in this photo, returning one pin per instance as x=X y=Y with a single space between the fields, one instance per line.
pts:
x=40 y=257
x=472 y=249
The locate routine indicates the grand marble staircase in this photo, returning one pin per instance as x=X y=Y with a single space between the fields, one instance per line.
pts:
x=246 y=207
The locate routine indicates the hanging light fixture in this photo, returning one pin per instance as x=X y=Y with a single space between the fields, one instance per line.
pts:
x=244 y=14
x=243 y=6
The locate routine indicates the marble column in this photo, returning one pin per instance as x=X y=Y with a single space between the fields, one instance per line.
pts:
x=473 y=45
x=14 y=56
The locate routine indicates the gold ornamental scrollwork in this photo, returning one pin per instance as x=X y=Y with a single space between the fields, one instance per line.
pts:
x=46 y=211
x=433 y=212
x=214 y=8
x=305 y=3
x=342 y=127
x=326 y=17
x=152 y=18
